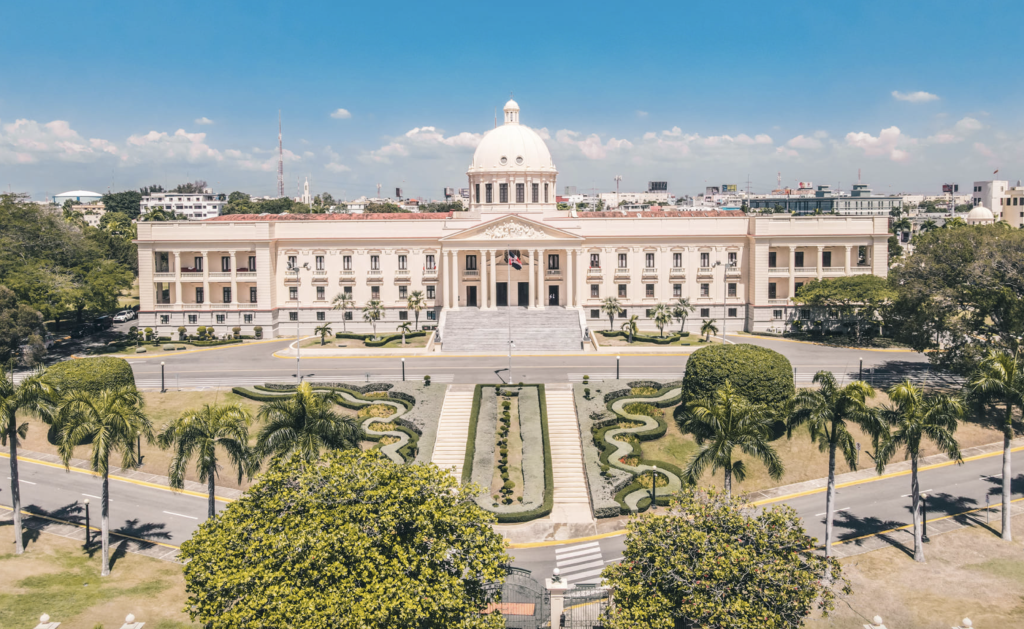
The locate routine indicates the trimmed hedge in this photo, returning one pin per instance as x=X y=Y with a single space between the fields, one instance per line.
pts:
x=383 y=340
x=664 y=499
x=761 y=375
x=366 y=388
x=408 y=451
x=657 y=340
x=91 y=374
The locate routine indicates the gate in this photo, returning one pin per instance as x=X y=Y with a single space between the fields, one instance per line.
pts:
x=584 y=606
x=523 y=601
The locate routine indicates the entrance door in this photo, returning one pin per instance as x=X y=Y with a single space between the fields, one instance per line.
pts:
x=501 y=299
x=524 y=294
x=553 y=295
x=471 y=296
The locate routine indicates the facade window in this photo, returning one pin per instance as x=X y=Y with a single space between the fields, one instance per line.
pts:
x=403 y=315
x=799 y=258
x=520 y=193
x=826 y=259
x=431 y=315
x=321 y=315
x=649 y=313
x=165 y=319
x=375 y=292
x=346 y=263
x=705 y=259
x=226 y=295
x=553 y=261
x=595 y=313
x=252 y=264
x=247 y=317
x=319 y=263
x=476 y=192
x=677 y=290
x=403 y=292
x=502 y=193
x=622 y=291
x=197 y=263
x=348 y=315
x=771 y=290
x=293 y=292
x=595 y=291
x=595 y=260
x=431 y=262
x=622 y=260
x=705 y=290
x=649 y=260
x=430 y=291
x=489 y=188
x=320 y=293
x=534 y=192
x=772 y=257
x=193 y=319
x=293 y=262
x=163 y=293
x=862 y=256
x=649 y=290
x=252 y=294
x=293 y=316
x=731 y=313
x=796 y=287
x=731 y=289
x=403 y=262
x=805 y=313
x=705 y=312
x=777 y=314
x=200 y=296
x=470 y=262
x=375 y=263
x=545 y=193
x=225 y=264
x=163 y=264
x=732 y=258
x=220 y=318
x=677 y=260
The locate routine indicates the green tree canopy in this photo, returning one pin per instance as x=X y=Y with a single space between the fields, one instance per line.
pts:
x=859 y=298
x=383 y=208
x=761 y=375
x=17 y=323
x=349 y=541
x=713 y=563
x=128 y=203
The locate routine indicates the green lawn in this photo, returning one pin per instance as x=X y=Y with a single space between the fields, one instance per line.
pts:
x=621 y=341
x=336 y=343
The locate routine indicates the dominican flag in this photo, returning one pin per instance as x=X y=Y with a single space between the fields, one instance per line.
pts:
x=514 y=261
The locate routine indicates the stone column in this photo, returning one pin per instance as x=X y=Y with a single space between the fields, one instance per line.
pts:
x=206 y=278
x=542 y=266
x=847 y=263
x=484 y=281
x=494 y=279
x=234 y=279
x=177 y=278
x=454 y=266
x=557 y=594
x=821 y=259
x=445 y=284
x=570 y=284
x=792 y=271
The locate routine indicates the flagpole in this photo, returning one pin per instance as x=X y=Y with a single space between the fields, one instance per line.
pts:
x=508 y=306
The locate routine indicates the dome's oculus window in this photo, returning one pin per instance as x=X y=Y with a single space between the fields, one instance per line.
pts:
x=519 y=160
x=503 y=160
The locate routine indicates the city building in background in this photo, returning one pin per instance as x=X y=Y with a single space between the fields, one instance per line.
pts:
x=990 y=194
x=195 y=206
x=78 y=196
x=860 y=202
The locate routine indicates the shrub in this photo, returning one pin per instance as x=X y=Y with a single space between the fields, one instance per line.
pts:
x=506 y=405
x=91 y=374
x=376 y=410
x=182 y=332
x=258 y=330
x=504 y=451
x=760 y=374
x=235 y=331
x=586 y=393
x=642 y=408
x=149 y=334
x=509 y=485
x=426 y=381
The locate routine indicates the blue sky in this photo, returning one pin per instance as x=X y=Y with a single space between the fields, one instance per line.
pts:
x=913 y=93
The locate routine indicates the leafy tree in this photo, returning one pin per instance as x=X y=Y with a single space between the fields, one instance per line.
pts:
x=662 y=317
x=826 y=413
x=404 y=329
x=416 y=303
x=128 y=203
x=239 y=203
x=111 y=421
x=723 y=422
x=611 y=307
x=199 y=433
x=344 y=303
x=101 y=288
x=630 y=327
x=454 y=206
x=895 y=250
x=913 y=417
x=999 y=379
x=716 y=564
x=149 y=190
x=17 y=323
x=708 y=328
x=196 y=187
x=373 y=311
x=27 y=396
x=324 y=331
x=954 y=223
x=858 y=297
x=304 y=423
x=384 y=208
x=927 y=226
x=349 y=541
x=764 y=376
x=680 y=309
x=158 y=214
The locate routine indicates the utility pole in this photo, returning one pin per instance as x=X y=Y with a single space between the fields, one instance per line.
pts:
x=280 y=158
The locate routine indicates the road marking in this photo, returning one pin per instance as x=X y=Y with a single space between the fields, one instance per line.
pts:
x=97 y=497
x=920 y=492
x=181 y=515
x=576 y=547
x=22 y=481
x=834 y=511
x=984 y=477
x=579 y=561
x=614 y=560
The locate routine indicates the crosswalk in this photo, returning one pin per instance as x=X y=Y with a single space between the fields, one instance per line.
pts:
x=174 y=381
x=580 y=563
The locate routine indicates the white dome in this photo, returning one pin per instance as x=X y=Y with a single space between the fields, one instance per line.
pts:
x=980 y=213
x=512 y=147
x=80 y=193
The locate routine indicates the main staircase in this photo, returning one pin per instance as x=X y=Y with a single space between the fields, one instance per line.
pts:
x=552 y=329
x=453 y=429
x=572 y=500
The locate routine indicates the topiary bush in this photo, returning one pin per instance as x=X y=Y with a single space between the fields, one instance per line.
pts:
x=91 y=374
x=763 y=376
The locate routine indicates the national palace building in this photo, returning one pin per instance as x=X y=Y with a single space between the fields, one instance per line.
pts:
x=281 y=272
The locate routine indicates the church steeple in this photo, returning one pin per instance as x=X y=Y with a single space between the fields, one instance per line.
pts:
x=511 y=112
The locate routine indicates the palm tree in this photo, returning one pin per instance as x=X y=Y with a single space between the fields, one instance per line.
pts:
x=630 y=327
x=610 y=306
x=199 y=432
x=826 y=413
x=307 y=423
x=913 y=416
x=114 y=421
x=372 y=313
x=999 y=379
x=662 y=317
x=927 y=226
x=404 y=329
x=722 y=422
x=680 y=309
x=416 y=303
x=900 y=225
x=954 y=223
x=324 y=331
x=708 y=328
x=344 y=303
x=15 y=397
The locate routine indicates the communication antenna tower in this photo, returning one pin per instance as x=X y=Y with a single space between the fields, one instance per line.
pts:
x=378 y=191
x=780 y=181
x=280 y=158
x=858 y=175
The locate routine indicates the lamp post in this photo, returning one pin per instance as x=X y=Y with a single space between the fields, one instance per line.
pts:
x=924 y=517
x=298 y=333
x=87 y=523
x=654 y=489
x=617 y=359
x=403 y=370
x=861 y=378
x=163 y=389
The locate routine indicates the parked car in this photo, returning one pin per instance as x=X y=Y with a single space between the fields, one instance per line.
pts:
x=124 y=315
x=102 y=322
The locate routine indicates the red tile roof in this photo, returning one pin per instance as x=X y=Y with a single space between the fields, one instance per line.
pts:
x=396 y=216
x=664 y=214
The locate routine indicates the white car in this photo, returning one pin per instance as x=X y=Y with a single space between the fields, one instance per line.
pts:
x=124 y=315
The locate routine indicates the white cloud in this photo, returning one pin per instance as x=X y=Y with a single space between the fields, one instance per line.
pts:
x=337 y=168
x=958 y=133
x=334 y=164
x=968 y=124
x=591 y=145
x=29 y=142
x=341 y=114
x=984 y=150
x=914 y=97
x=885 y=145
x=804 y=142
x=641 y=114
x=423 y=142
x=203 y=120
x=180 y=146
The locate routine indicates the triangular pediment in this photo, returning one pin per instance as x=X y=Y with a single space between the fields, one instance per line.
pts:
x=511 y=227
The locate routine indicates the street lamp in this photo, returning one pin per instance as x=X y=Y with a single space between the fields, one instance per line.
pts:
x=163 y=389
x=861 y=378
x=403 y=370
x=87 y=523
x=617 y=359
x=654 y=488
x=298 y=333
x=924 y=517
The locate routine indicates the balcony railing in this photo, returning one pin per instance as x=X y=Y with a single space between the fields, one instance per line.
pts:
x=805 y=270
x=374 y=273
x=291 y=273
x=704 y=271
x=348 y=273
x=430 y=272
x=778 y=270
x=319 y=273
x=622 y=271
x=732 y=271
x=470 y=273
x=833 y=270
x=164 y=276
x=677 y=271
x=191 y=274
x=594 y=271
x=402 y=273
x=245 y=274
x=554 y=273
x=778 y=302
x=650 y=271
x=860 y=270
x=220 y=274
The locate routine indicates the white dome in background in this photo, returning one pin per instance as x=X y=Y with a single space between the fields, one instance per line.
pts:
x=980 y=214
x=512 y=147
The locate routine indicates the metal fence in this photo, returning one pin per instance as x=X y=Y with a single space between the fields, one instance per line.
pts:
x=524 y=602
x=584 y=605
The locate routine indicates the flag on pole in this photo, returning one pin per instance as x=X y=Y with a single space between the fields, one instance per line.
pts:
x=514 y=261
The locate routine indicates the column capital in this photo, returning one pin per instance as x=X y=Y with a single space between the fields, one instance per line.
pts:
x=848 y=247
x=792 y=247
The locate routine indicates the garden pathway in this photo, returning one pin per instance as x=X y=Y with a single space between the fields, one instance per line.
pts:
x=572 y=500
x=623 y=448
x=453 y=428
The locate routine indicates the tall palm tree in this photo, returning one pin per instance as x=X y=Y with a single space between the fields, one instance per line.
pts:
x=630 y=327
x=198 y=432
x=372 y=313
x=912 y=417
x=999 y=379
x=708 y=328
x=343 y=302
x=662 y=317
x=928 y=225
x=722 y=422
x=611 y=307
x=13 y=398
x=680 y=309
x=324 y=331
x=114 y=420
x=826 y=413
x=416 y=303
x=306 y=422
x=403 y=327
